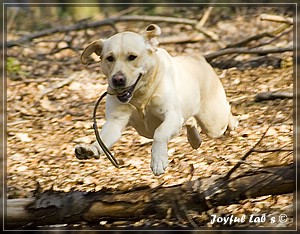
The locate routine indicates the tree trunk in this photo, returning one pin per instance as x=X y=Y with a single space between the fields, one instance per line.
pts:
x=51 y=207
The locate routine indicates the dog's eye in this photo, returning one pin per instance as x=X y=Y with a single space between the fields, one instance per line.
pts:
x=132 y=57
x=110 y=58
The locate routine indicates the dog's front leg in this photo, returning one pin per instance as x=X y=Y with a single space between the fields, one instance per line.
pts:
x=110 y=133
x=168 y=129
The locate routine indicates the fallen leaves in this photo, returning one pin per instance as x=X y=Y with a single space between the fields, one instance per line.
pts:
x=23 y=137
x=46 y=118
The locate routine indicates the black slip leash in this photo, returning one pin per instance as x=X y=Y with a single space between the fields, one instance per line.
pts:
x=101 y=143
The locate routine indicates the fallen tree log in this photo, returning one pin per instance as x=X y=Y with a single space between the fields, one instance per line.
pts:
x=52 y=207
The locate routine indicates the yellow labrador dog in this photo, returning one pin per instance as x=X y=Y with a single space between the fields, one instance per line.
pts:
x=157 y=94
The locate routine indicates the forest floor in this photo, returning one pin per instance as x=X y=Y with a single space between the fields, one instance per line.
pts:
x=44 y=123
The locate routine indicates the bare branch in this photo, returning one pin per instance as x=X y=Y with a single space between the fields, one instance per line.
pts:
x=261 y=35
x=263 y=96
x=181 y=39
x=249 y=39
x=204 y=17
x=110 y=21
x=271 y=150
x=244 y=50
x=236 y=166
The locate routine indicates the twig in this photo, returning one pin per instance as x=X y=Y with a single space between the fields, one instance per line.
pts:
x=57 y=50
x=188 y=216
x=271 y=150
x=125 y=12
x=250 y=151
x=273 y=39
x=176 y=211
x=259 y=36
x=249 y=39
x=59 y=84
x=200 y=26
x=276 y=18
x=208 y=33
x=244 y=50
x=263 y=96
x=229 y=61
x=204 y=17
x=181 y=39
x=17 y=122
x=41 y=80
x=155 y=19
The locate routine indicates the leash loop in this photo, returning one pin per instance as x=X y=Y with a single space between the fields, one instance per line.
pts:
x=99 y=140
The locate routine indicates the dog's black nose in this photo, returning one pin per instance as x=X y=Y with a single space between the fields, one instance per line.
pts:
x=119 y=79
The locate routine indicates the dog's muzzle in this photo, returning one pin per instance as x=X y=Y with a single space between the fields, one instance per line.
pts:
x=125 y=95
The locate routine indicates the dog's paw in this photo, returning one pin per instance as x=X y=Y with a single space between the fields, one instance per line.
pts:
x=158 y=165
x=159 y=157
x=233 y=123
x=86 y=152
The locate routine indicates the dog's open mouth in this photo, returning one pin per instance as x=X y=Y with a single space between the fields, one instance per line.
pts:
x=126 y=95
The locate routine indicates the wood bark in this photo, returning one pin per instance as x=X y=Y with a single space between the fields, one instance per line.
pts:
x=52 y=207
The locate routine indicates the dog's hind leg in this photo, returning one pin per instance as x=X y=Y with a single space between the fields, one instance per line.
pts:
x=193 y=135
x=233 y=122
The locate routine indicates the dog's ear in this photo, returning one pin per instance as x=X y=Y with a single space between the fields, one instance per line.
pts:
x=151 y=34
x=95 y=46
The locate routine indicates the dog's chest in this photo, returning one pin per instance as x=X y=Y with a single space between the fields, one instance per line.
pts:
x=145 y=120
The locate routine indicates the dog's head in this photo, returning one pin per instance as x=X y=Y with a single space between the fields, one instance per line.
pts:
x=125 y=58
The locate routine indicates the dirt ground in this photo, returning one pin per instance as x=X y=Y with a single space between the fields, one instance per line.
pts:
x=44 y=123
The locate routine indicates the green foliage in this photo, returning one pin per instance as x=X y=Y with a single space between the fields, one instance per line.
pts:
x=14 y=69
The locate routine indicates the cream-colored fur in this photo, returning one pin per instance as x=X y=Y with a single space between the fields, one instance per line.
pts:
x=157 y=94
